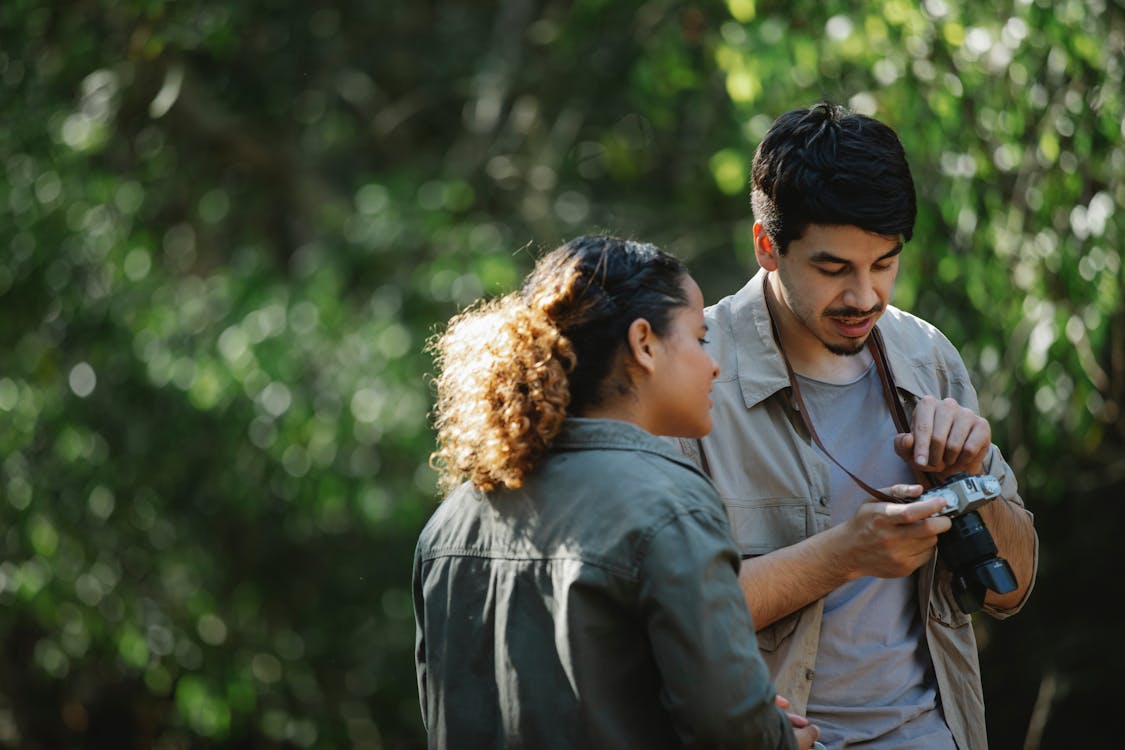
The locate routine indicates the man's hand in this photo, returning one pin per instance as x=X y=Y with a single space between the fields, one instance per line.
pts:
x=945 y=438
x=891 y=540
x=883 y=539
x=805 y=732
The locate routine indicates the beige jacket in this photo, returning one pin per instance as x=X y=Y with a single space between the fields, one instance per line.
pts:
x=774 y=483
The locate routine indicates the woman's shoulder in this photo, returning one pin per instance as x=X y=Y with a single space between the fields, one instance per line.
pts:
x=616 y=446
x=646 y=474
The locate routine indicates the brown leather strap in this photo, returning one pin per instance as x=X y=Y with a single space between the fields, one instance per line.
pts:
x=890 y=394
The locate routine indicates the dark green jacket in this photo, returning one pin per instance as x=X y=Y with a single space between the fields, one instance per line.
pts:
x=596 y=607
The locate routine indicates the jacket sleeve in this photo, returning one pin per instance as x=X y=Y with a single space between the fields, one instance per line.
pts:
x=419 y=634
x=995 y=465
x=961 y=389
x=715 y=685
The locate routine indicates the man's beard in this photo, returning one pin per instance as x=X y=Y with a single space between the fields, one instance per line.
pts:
x=850 y=349
x=845 y=351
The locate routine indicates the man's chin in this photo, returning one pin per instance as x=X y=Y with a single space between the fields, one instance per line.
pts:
x=849 y=349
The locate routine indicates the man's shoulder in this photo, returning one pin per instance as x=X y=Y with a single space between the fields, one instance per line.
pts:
x=911 y=335
x=739 y=321
x=719 y=311
x=748 y=294
x=902 y=320
x=722 y=342
x=924 y=359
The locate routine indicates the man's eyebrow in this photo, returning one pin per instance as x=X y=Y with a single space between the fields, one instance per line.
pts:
x=823 y=256
x=892 y=252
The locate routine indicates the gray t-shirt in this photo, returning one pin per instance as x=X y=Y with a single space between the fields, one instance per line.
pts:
x=874 y=686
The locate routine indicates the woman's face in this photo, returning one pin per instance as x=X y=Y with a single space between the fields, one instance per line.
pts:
x=680 y=396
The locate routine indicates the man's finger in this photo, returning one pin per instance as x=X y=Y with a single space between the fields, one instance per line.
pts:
x=923 y=429
x=915 y=511
x=946 y=415
x=976 y=446
x=904 y=444
x=956 y=444
x=903 y=491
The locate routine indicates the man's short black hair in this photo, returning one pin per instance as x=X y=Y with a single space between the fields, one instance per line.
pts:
x=826 y=165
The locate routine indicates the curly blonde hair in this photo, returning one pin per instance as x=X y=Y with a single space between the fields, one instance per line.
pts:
x=512 y=369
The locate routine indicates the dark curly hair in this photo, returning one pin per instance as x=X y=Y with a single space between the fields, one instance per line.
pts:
x=511 y=369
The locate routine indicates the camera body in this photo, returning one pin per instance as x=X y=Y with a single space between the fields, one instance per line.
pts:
x=964 y=492
x=967 y=549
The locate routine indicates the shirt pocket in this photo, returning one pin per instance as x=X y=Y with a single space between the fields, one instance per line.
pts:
x=763 y=525
x=772 y=636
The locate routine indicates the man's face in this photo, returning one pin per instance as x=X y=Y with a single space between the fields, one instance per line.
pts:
x=836 y=281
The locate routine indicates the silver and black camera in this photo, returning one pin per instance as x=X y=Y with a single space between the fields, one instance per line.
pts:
x=967 y=549
x=964 y=492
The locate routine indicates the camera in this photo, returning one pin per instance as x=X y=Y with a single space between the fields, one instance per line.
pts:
x=967 y=548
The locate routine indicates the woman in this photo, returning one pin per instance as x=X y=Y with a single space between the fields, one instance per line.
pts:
x=580 y=589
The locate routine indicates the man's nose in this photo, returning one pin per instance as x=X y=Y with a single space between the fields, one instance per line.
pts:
x=861 y=294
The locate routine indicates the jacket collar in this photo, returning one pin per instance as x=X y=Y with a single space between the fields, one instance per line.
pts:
x=579 y=433
x=760 y=367
x=761 y=370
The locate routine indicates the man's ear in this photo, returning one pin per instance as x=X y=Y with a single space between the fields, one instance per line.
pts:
x=641 y=339
x=764 y=250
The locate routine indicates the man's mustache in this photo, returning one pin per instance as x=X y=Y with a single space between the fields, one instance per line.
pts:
x=851 y=312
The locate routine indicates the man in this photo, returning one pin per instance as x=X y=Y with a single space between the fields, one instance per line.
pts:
x=857 y=616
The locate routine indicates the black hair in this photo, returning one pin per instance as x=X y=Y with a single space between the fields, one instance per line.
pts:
x=613 y=282
x=826 y=165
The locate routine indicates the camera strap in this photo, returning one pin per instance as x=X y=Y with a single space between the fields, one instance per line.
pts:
x=890 y=395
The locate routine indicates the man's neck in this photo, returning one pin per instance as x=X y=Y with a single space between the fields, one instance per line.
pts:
x=808 y=356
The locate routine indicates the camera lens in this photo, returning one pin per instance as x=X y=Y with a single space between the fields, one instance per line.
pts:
x=970 y=553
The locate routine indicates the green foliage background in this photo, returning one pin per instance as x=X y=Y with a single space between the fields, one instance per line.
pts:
x=227 y=230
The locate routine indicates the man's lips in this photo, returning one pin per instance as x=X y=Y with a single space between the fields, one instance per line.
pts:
x=852 y=323
x=853 y=329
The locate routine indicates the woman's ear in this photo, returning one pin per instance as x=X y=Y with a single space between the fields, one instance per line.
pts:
x=641 y=340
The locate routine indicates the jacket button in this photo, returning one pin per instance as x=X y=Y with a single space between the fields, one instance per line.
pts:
x=809 y=674
x=823 y=500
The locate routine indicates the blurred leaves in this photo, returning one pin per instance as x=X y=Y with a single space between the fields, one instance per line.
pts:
x=229 y=230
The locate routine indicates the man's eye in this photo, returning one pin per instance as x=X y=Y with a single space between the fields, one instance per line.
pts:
x=833 y=271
